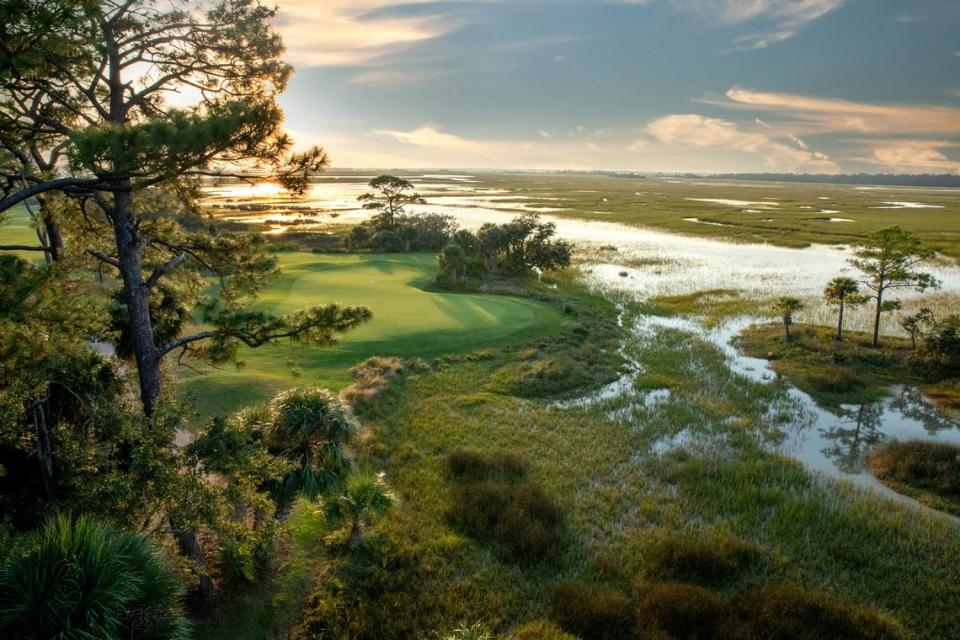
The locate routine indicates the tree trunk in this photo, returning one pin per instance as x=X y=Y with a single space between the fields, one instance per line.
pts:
x=840 y=323
x=54 y=236
x=43 y=449
x=188 y=543
x=356 y=534
x=138 y=299
x=786 y=328
x=876 y=319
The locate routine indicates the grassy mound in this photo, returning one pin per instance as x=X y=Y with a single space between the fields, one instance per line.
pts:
x=707 y=558
x=927 y=471
x=684 y=611
x=494 y=501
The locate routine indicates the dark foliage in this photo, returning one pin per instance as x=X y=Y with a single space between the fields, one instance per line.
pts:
x=675 y=610
x=787 y=612
x=593 y=612
x=928 y=466
x=495 y=502
x=471 y=465
x=709 y=557
x=938 y=356
x=85 y=579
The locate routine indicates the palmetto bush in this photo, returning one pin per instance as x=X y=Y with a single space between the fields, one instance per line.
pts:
x=84 y=579
x=311 y=428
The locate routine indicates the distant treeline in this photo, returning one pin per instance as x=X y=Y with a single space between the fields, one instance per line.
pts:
x=891 y=179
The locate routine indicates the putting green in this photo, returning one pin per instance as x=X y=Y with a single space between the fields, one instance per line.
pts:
x=407 y=321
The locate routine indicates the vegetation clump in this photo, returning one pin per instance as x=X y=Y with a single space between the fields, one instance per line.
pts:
x=391 y=229
x=927 y=471
x=540 y=630
x=471 y=465
x=593 y=611
x=517 y=248
x=494 y=501
x=677 y=610
x=794 y=613
x=833 y=372
x=706 y=558
x=81 y=578
x=371 y=378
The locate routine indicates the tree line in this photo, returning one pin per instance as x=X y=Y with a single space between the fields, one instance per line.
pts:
x=519 y=247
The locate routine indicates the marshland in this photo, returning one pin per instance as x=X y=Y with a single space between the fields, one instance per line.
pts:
x=250 y=391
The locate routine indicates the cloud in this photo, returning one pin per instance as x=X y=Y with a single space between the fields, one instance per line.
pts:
x=430 y=136
x=352 y=32
x=775 y=20
x=830 y=115
x=543 y=134
x=914 y=156
x=693 y=130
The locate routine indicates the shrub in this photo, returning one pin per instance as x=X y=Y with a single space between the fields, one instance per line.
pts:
x=371 y=378
x=477 y=508
x=708 y=558
x=540 y=630
x=593 y=612
x=470 y=464
x=939 y=356
x=495 y=502
x=927 y=466
x=786 y=612
x=85 y=579
x=531 y=527
x=685 y=611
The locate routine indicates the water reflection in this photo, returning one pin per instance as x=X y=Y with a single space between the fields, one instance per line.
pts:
x=836 y=441
x=858 y=429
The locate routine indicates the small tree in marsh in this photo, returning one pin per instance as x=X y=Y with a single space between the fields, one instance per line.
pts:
x=785 y=307
x=842 y=292
x=916 y=324
x=391 y=195
x=888 y=260
x=366 y=497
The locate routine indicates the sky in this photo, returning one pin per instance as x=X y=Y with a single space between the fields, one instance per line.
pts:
x=808 y=86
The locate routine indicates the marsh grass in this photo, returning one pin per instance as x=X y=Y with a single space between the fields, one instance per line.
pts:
x=832 y=372
x=711 y=306
x=761 y=518
x=926 y=471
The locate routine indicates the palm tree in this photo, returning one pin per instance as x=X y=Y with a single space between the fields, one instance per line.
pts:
x=786 y=307
x=842 y=291
x=366 y=496
x=80 y=578
x=309 y=427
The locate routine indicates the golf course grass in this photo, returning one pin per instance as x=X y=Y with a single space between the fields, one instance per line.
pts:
x=15 y=229
x=408 y=321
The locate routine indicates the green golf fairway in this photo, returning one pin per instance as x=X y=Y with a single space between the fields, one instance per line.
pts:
x=407 y=321
x=16 y=229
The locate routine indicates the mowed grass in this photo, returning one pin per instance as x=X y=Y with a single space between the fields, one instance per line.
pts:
x=15 y=228
x=409 y=320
